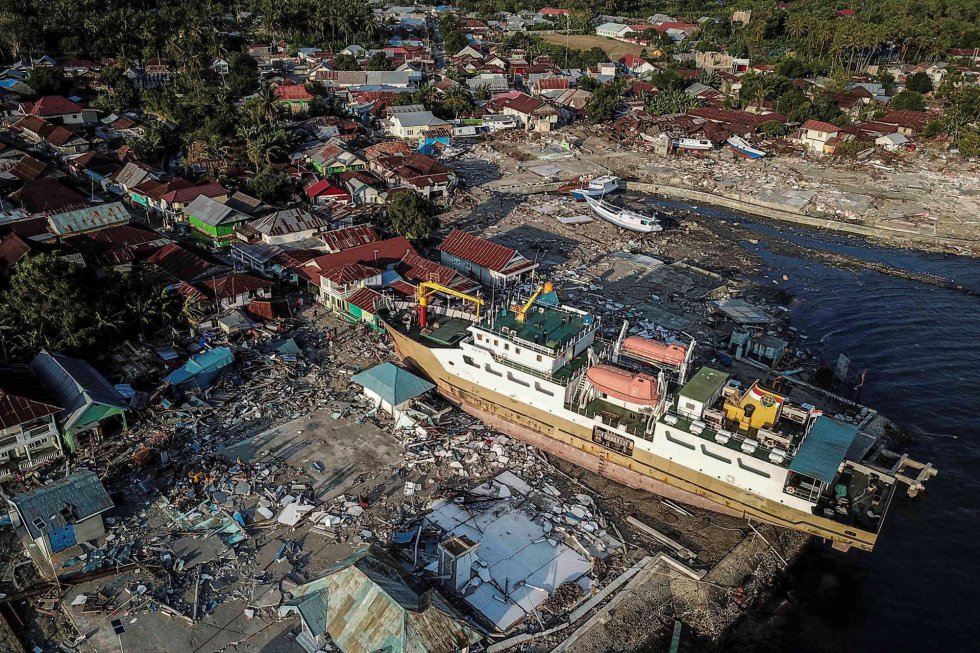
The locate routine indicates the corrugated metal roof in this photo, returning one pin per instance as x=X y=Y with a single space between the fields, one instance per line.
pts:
x=393 y=384
x=89 y=218
x=341 y=239
x=22 y=396
x=75 y=385
x=212 y=212
x=823 y=449
x=477 y=250
x=288 y=221
x=365 y=604
x=65 y=501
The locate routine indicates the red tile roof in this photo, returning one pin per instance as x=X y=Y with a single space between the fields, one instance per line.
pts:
x=478 y=250
x=906 y=118
x=28 y=168
x=365 y=299
x=188 y=195
x=418 y=268
x=379 y=253
x=232 y=285
x=348 y=237
x=54 y=105
x=293 y=92
x=46 y=195
x=346 y=274
x=178 y=262
x=554 y=11
x=22 y=396
x=820 y=126
x=12 y=249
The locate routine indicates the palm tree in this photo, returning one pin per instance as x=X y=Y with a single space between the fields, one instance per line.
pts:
x=265 y=102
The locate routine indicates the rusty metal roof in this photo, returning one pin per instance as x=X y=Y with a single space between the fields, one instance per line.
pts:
x=23 y=397
x=365 y=604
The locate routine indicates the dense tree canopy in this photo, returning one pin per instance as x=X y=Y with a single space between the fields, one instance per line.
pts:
x=411 y=216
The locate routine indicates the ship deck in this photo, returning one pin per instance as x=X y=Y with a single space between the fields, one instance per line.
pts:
x=616 y=416
x=550 y=327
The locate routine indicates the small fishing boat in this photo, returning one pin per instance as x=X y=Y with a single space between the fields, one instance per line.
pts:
x=624 y=218
x=741 y=147
x=699 y=144
x=597 y=187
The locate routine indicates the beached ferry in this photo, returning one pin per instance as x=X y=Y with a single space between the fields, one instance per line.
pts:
x=634 y=411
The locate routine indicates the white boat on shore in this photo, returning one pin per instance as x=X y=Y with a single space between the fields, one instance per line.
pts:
x=743 y=148
x=624 y=218
x=598 y=187
x=697 y=144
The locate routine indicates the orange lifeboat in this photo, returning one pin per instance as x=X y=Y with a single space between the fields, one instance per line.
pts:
x=623 y=385
x=654 y=350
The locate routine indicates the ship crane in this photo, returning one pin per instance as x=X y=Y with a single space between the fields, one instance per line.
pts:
x=544 y=289
x=427 y=288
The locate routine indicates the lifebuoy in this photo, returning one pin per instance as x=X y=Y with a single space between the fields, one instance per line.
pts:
x=790 y=489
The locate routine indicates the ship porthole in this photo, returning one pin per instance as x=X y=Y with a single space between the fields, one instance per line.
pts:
x=730 y=478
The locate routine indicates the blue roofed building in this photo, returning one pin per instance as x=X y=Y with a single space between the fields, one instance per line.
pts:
x=391 y=388
x=365 y=603
x=90 y=402
x=58 y=516
x=824 y=449
x=202 y=370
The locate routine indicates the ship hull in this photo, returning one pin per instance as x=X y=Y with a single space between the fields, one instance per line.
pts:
x=643 y=470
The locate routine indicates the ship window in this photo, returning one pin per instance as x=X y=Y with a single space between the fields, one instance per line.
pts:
x=711 y=454
x=517 y=380
x=678 y=441
x=517 y=350
x=753 y=469
x=491 y=370
x=537 y=386
x=506 y=347
x=469 y=361
x=496 y=343
x=479 y=336
x=539 y=358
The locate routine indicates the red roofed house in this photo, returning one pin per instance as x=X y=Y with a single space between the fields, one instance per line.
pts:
x=907 y=121
x=545 y=84
x=554 y=11
x=293 y=96
x=322 y=191
x=28 y=431
x=236 y=290
x=536 y=114
x=362 y=306
x=815 y=134
x=490 y=263
x=636 y=65
x=58 y=109
x=348 y=238
x=337 y=275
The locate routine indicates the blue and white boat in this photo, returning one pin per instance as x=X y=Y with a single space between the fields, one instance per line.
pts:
x=598 y=187
x=741 y=147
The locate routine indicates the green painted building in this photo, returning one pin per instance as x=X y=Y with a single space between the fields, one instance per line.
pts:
x=89 y=400
x=213 y=222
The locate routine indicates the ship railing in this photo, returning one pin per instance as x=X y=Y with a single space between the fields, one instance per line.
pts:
x=547 y=376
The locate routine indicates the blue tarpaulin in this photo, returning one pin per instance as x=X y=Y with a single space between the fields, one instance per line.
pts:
x=201 y=370
x=823 y=449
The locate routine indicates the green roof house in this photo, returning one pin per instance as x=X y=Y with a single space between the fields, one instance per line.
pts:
x=87 y=397
x=213 y=221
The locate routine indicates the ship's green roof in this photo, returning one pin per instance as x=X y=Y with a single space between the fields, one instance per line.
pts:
x=703 y=385
x=549 y=327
